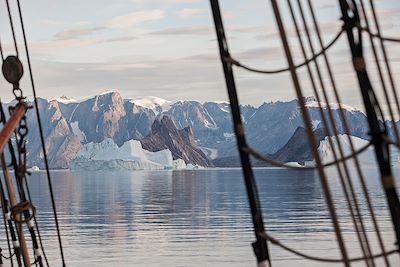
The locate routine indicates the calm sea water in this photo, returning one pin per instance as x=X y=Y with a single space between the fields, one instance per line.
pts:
x=193 y=218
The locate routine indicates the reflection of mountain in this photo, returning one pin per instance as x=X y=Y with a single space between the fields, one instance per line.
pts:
x=121 y=216
x=119 y=207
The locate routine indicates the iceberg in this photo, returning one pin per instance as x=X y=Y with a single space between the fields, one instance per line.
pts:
x=325 y=149
x=130 y=156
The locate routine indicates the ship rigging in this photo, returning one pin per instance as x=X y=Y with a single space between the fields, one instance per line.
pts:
x=19 y=212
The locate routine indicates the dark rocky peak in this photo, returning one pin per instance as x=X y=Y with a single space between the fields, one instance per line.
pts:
x=164 y=125
x=298 y=148
x=165 y=135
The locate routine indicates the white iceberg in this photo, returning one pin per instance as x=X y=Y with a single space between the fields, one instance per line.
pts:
x=130 y=156
x=326 y=153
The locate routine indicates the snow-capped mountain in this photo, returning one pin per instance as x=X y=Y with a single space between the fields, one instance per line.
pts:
x=71 y=124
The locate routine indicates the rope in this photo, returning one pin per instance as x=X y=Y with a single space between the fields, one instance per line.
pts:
x=9 y=257
x=16 y=249
x=387 y=64
x=379 y=68
x=372 y=109
x=41 y=137
x=22 y=208
x=307 y=61
x=356 y=161
x=12 y=28
x=377 y=35
x=260 y=246
x=1 y=51
x=36 y=225
x=315 y=258
x=310 y=134
x=275 y=163
x=344 y=173
x=3 y=196
x=4 y=208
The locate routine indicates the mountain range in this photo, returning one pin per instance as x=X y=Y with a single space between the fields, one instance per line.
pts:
x=199 y=133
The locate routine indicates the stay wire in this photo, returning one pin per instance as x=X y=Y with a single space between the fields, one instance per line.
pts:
x=307 y=61
x=21 y=178
x=23 y=198
x=320 y=259
x=385 y=56
x=378 y=36
x=42 y=137
x=379 y=68
x=36 y=223
x=1 y=51
x=260 y=246
x=3 y=204
x=345 y=179
x=307 y=122
x=16 y=249
x=347 y=130
x=275 y=163
x=12 y=28
x=4 y=208
x=357 y=164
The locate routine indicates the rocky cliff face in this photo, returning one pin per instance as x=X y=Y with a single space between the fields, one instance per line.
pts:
x=61 y=142
x=165 y=135
x=69 y=124
x=298 y=148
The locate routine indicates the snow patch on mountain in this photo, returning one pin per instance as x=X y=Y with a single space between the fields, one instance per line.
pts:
x=64 y=100
x=312 y=103
x=107 y=92
x=130 y=156
x=157 y=104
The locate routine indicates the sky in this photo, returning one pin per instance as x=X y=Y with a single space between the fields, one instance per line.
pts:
x=168 y=48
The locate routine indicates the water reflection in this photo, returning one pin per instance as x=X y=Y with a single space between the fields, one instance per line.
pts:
x=188 y=218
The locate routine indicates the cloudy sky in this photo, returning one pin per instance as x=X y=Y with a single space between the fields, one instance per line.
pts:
x=167 y=48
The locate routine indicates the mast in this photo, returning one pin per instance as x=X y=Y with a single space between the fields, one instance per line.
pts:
x=260 y=246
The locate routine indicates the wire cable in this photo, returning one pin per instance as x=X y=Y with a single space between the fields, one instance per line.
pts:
x=275 y=163
x=313 y=58
x=321 y=259
x=12 y=28
x=42 y=137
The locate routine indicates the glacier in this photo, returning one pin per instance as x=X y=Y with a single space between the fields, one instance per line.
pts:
x=130 y=156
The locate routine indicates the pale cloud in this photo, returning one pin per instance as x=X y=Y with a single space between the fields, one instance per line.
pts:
x=196 y=30
x=60 y=44
x=76 y=33
x=135 y=18
x=121 y=39
x=205 y=30
x=192 y=12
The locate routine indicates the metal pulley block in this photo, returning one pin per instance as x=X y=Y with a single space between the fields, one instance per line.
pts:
x=12 y=70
